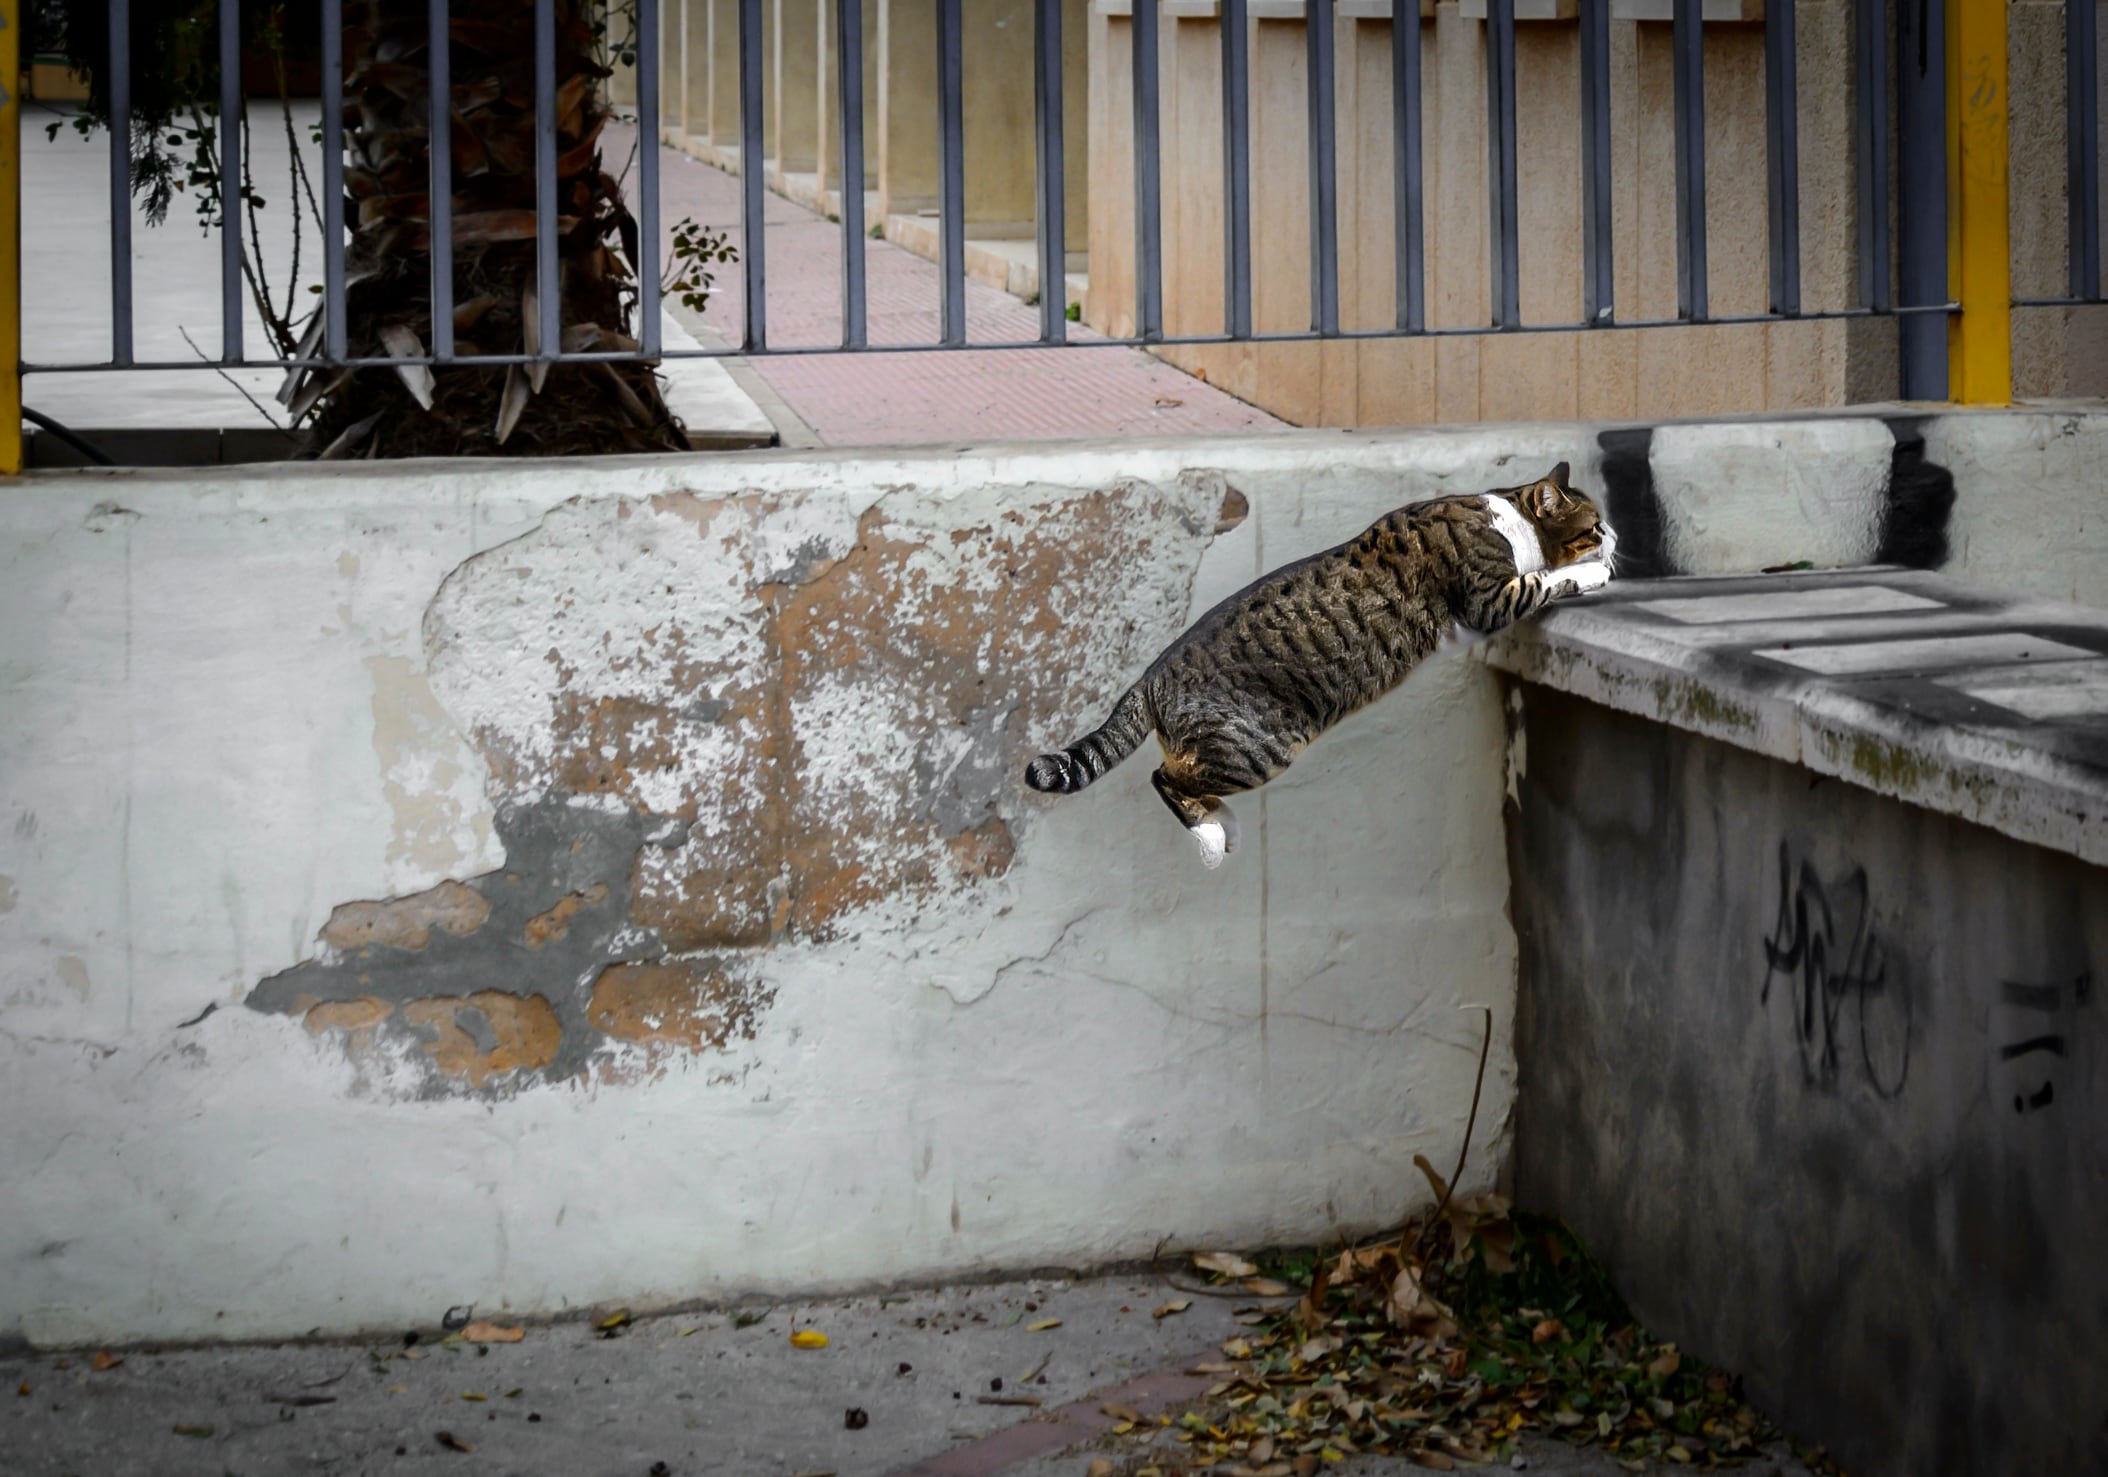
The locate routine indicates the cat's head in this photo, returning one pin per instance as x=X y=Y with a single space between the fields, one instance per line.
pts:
x=1570 y=528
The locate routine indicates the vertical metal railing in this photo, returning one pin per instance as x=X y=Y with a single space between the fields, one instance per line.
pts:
x=1598 y=267
x=439 y=102
x=1921 y=202
x=1236 y=170
x=1687 y=75
x=951 y=170
x=1320 y=79
x=1050 y=222
x=1870 y=148
x=1408 y=197
x=1503 y=244
x=752 y=249
x=648 y=119
x=12 y=447
x=1921 y=198
x=230 y=141
x=120 y=92
x=1782 y=158
x=547 y=249
x=849 y=79
x=2082 y=136
x=1148 y=162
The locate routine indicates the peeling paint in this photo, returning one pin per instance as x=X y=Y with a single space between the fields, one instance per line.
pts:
x=487 y=1035
x=716 y=727
x=427 y=775
x=407 y=922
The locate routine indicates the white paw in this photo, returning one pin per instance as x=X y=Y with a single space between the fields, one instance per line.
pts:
x=1214 y=843
x=1579 y=579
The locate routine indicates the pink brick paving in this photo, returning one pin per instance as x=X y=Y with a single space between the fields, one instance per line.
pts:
x=894 y=399
x=1068 y=1425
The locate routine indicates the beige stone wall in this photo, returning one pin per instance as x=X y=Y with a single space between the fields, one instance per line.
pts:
x=1671 y=371
x=1453 y=376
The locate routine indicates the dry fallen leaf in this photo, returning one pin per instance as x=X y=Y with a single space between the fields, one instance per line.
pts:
x=1549 y=1328
x=1434 y=1459
x=1238 y=1348
x=104 y=1360
x=808 y=1338
x=1666 y=1365
x=200 y=1432
x=1177 y=1305
x=1266 y=1287
x=1123 y=1413
x=1043 y=1325
x=615 y=1319
x=1099 y=1467
x=483 y=1331
x=452 y=1442
x=472 y=1395
x=1227 y=1263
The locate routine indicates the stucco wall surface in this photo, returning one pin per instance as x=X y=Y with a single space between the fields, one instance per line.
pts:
x=1819 y=1074
x=536 y=884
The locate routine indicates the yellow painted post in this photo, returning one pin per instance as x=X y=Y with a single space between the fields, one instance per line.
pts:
x=10 y=237
x=1980 y=336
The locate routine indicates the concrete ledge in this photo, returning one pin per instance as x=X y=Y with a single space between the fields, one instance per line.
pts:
x=1989 y=709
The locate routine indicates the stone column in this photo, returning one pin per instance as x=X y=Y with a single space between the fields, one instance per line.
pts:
x=907 y=106
x=671 y=28
x=793 y=88
x=724 y=74
x=1001 y=170
x=691 y=106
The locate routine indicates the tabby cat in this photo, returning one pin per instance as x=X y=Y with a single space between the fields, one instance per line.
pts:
x=1260 y=676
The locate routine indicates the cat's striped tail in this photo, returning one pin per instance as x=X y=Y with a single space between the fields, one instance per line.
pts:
x=1096 y=752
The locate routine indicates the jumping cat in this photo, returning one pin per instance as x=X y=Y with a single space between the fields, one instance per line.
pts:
x=1260 y=676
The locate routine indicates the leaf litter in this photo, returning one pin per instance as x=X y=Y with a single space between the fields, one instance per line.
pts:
x=1475 y=1325
x=1446 y=1345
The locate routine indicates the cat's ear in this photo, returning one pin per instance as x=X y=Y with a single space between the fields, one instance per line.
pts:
x=1545 y=497
x=1558 y=475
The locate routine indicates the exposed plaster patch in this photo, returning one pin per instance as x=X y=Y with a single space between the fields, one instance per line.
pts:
x=430 y=779
x=715 y=727
x=698 y=1003
x=73 y=974
x=407 y=922
x=487 y=1035
x=7 y=894
x=548 y=926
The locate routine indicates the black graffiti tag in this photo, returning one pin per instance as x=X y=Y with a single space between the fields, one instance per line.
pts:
x=2020 y=996
x=1828 y=951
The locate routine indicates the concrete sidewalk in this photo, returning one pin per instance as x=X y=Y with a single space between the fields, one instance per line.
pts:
x=956 y=1382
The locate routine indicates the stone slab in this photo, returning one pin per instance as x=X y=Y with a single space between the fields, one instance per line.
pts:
x=1988 y=708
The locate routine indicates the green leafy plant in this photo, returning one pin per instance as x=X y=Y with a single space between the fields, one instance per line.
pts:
x=696 y=250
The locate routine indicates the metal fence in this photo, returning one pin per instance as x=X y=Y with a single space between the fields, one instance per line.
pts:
x=1914 y=133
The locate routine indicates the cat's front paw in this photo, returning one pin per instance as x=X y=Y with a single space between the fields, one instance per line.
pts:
x=1579 y=579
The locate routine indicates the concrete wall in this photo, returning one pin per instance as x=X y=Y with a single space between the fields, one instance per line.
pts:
x=610 y=880
x=1821 y=1076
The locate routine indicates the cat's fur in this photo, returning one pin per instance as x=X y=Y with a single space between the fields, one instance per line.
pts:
x=1260 y=676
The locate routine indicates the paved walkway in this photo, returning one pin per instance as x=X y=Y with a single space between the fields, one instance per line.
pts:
x=955 y=1382
x=890 y=399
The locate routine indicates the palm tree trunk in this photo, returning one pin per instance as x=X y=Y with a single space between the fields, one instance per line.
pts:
x=575 y=408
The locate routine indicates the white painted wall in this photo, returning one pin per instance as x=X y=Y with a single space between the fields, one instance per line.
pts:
x=216 y=724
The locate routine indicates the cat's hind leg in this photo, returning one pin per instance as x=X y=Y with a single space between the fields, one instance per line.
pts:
x=1212 y=823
